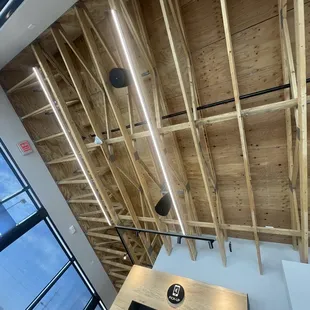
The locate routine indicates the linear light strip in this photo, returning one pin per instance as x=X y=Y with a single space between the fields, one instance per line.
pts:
x=71 y=143
x=146 y=115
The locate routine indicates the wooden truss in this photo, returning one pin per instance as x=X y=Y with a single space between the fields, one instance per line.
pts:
x=116 y=197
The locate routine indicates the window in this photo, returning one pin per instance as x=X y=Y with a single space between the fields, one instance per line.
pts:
x=37 y=270
x=7 y=8
x=70 y=284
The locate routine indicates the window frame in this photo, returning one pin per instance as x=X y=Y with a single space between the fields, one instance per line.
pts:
x=29 y=222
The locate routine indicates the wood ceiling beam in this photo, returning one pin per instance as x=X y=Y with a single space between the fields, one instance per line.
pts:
x=195 y=99
x=73 y=130
x=30 y=77
x=288 y=54
x=100 y=171
x=202 y=163
x=159 y=142
x=103 y=236
x=158 y=179
x=117 y=275
x=232 y=227
x=245 y=154
x=94 y=121
x=267 y=108
x=289 y=76
x=117 y=114
x=115 y=264
x=277 y=106
x=142 y=39
x=299 y=17
x=110 y=251
x=47 y=108
x=58 y=68
x=66 y=158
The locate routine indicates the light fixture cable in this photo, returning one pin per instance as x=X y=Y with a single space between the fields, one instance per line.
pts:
x=70 y=141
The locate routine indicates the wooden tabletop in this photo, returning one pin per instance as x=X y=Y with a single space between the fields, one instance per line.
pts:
x=149 y=287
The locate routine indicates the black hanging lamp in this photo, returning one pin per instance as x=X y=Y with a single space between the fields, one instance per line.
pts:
x=164 y=205
x=119 y=77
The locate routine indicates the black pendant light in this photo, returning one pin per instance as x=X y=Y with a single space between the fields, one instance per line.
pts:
x=119 y=77
x=164 y=205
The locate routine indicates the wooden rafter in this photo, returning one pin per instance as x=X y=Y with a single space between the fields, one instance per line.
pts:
x=137 y=22
x=267 y=108
x=193 y=128
x=244 y=146
x=47 y=108
x=159 y=100
x=75 y=134
x=195 y=99
x=231 y=227
x=158 y=141
x=94 y=121
x=289 y=76
x=73 y=129
x=117 y=114
x=299 y=16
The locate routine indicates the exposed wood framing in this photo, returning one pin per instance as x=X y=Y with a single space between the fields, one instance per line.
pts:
x=75 y=134
x=78 y=72
x=302 y=122
x=193 y=128
x=267 y=108
x=245 y=154
x=195 y=100
x=156 y=136
x=289 y=76
x=272 y=107
x=159 y=99
x=114 y=106
x=47 y=108
x=96 y=127
x=231 y=227
x=22 y=83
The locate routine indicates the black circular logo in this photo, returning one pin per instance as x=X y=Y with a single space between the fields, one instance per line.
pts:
x=175 y=294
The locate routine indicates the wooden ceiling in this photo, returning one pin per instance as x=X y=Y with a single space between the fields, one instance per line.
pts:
x=233 y=167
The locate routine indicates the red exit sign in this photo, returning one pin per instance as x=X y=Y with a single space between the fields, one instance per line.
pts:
x=25 y=147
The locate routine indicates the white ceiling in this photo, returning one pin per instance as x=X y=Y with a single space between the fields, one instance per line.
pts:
x=27 y=23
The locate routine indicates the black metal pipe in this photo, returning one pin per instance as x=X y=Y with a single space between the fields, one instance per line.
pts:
x=124 y=245
x=150 y=231
x=214 y=104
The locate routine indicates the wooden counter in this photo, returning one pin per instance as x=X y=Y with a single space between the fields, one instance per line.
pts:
x=149 y=287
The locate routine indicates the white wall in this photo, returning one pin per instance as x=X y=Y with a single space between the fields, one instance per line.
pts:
x=297 y=277
x=17 y=33
x=266 y=292
x=32 y=165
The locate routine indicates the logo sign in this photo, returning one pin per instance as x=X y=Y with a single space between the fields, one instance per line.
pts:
x=175 y=294
x=25 y=147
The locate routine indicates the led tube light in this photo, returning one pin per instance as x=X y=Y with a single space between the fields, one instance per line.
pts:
x=70 y=141
x=146 y=115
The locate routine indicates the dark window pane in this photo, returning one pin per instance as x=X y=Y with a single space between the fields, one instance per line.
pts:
x=68 y=293
x=20 y=207
x=98 y=307
x=9 y=184
x=27 y=265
